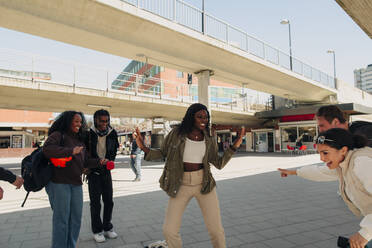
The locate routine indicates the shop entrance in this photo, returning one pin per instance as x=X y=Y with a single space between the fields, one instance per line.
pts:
x=263 y=141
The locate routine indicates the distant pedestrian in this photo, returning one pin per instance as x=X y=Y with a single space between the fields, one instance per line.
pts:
x=6 y=175
x=349 y=161
x=136 y=155
x=189 y=151
x=102 y=143
x=66 y=140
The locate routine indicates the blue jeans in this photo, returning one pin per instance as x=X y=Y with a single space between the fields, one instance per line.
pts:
x=135 y=164
x=369 y=245
x=66 y=201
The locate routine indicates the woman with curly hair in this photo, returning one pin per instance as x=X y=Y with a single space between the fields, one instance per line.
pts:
x=189 y=150
x=349 y=161
x=65 y=147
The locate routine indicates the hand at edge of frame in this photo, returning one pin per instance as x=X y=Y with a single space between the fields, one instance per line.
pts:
x=357 y=241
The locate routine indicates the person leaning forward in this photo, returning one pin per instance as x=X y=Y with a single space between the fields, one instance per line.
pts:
x=189 y=150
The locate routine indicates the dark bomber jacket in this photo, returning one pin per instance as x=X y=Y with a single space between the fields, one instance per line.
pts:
x=112 y=145
x=7 y=175
x=172 y=150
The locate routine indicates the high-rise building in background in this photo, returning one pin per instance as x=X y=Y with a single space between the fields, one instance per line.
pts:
x=363 y=79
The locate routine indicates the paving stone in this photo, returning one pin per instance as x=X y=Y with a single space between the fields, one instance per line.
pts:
x=258 y=210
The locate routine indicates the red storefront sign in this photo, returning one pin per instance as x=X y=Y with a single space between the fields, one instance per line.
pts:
x=290 y=118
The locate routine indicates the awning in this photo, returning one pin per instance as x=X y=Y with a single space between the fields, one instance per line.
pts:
x=348 y=108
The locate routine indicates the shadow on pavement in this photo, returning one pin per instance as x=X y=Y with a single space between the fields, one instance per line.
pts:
x=257 y=211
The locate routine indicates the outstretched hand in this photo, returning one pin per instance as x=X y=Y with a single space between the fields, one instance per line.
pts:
x=239 y=140
x=139 y=138
x=285 y=173
x=139 y=141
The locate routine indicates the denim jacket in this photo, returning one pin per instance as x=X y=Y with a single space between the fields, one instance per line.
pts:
x=172 y=150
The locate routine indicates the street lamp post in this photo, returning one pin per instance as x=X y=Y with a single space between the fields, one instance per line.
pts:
x=334 y=65
x=286 y=21
x=203 y=18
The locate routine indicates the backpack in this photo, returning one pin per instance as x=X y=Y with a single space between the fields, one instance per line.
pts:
x=36 y=171
x=363 y=128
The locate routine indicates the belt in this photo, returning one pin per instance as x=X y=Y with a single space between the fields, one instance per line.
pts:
x=189 y=167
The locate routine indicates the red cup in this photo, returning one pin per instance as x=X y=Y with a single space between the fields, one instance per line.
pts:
x=110 y=165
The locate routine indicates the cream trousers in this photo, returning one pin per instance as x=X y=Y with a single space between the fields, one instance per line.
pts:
x=208 y=203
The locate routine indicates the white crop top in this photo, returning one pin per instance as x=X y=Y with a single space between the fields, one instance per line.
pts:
x=194 y=151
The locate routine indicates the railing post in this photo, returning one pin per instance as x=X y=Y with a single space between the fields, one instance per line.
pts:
x=107 y=81
x=227 y=34
x=203 y=18
x=174 y=10
x=74 y=85
x=32 y=69
x=136 y=86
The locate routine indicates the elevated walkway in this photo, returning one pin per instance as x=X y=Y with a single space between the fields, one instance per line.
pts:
x=161 y=33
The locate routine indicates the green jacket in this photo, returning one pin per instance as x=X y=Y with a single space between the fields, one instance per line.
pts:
x=172 y=150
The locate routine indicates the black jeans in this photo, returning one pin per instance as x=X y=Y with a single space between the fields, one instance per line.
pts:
x=100 y=185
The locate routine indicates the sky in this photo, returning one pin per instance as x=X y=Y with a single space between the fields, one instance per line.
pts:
x=316 y=26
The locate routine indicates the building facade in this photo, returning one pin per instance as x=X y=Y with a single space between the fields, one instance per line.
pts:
x=363 y=79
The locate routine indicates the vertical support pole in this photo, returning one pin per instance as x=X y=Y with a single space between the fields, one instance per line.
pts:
x=203 y=89
x=74 y=85
x=32 y=68
x=107 y=81
x=136 y=86
x=174 y=10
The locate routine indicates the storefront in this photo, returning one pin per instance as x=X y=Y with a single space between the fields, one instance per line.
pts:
x=294 y=135
x=15 y=139
x=263 y=140
x=296 y=128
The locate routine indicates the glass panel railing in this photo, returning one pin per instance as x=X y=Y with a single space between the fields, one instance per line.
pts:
x=163 y=8
x=215 y=28
x=256 y=47
x=272 y=55
x=284 y=61
x=188 y=16
x=297 y=66
x=191 y=17
x=237 y=38
x=315 y=74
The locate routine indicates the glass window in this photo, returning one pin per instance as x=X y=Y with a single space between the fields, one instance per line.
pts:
x=289 y=136
x=307 y=135
x=179 y=74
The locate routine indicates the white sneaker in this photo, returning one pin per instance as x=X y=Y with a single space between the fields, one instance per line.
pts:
x=111 y=234
x=99 y=238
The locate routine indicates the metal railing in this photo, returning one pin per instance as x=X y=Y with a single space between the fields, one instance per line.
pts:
x=18 y=66
x=191 y=17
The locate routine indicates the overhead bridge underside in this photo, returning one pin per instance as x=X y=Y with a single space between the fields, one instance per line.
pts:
x=115 y=27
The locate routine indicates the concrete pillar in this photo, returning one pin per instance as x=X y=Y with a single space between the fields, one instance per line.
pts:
x=203 y=83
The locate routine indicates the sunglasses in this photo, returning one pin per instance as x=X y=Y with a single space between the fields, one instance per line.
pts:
x=322 y=140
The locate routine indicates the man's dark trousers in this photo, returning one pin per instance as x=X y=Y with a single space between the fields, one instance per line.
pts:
x=100 y=185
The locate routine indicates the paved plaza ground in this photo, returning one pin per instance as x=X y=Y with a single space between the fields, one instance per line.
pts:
x=259 y=208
